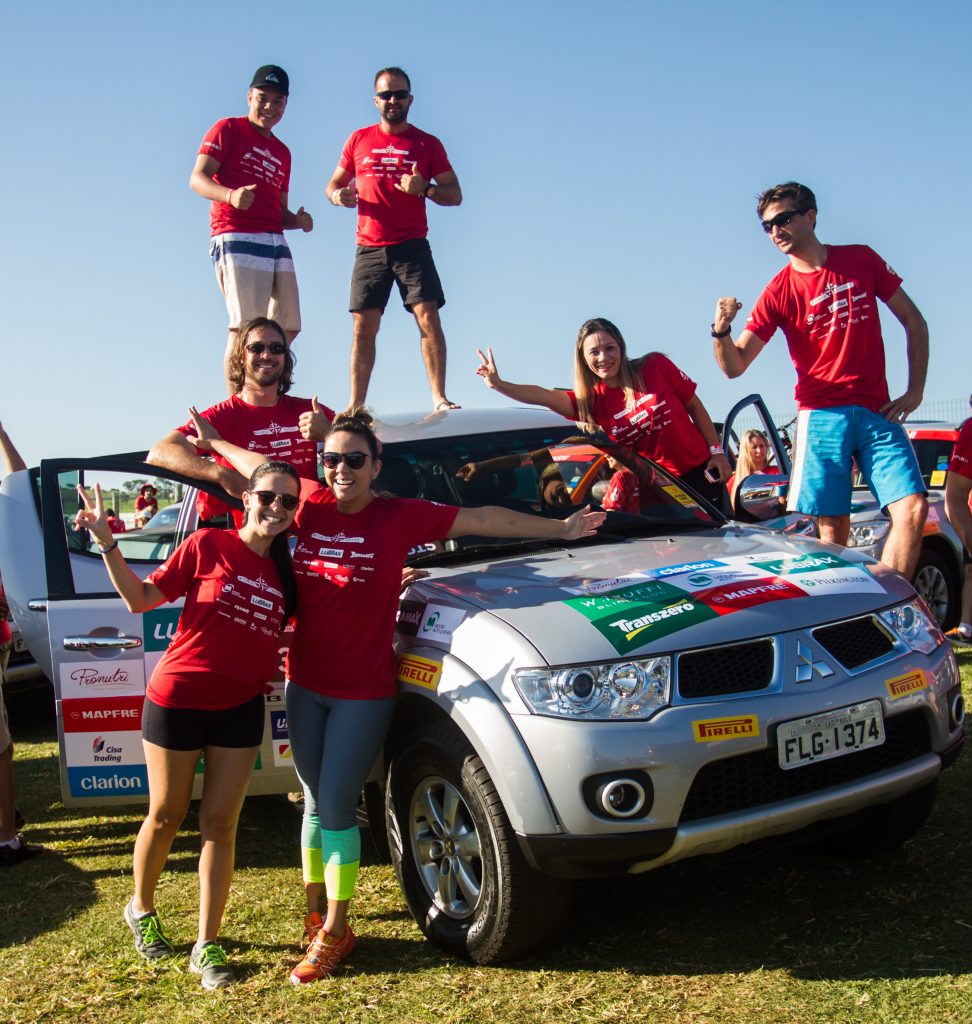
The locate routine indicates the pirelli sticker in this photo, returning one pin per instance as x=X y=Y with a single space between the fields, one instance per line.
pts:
x=420 y=671
x=725 y=728
x=904 y=686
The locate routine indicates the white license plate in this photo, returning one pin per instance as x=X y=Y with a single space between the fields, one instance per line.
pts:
x=832 y=734
x=19 y=644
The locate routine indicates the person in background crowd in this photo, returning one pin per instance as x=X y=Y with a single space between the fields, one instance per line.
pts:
x=206 y=695
x=754 y=455
x=646 y=404
x=13 y=847
x=146 y=505
x=244 y=169
x=958 y=499
x=825 y=302
x=115 y=524
x=389 y=171
x=341 y=669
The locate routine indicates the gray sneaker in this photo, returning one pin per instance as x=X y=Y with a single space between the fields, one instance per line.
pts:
x=150 y=940
x=209 y=960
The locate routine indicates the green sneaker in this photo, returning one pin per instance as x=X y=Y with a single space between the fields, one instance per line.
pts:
x=150 y=940
x=209 y=960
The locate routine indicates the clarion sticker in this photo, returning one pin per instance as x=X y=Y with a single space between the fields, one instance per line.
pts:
x=420 y=671
x=903 y=686
x=725 y=728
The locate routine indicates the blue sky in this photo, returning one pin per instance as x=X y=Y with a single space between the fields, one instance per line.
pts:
x=608 y=153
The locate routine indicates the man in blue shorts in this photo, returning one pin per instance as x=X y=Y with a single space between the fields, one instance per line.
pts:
x=244 y=169
x=825 y=301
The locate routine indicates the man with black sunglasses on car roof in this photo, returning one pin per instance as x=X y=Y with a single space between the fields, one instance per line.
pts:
x=388 y=171
x=260 y=416
x=825 y=302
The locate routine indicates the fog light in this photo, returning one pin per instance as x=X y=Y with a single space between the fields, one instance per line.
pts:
x=623 y=798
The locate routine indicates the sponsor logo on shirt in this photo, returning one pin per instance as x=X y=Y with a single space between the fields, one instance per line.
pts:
x=331 y=552
x=260 y=584
x=362 y=554
x=275 y=428
x=338 y=538
x=261 y=602
x=830 y=290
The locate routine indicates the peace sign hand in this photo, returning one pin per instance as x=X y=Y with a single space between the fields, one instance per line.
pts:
x=92 y=516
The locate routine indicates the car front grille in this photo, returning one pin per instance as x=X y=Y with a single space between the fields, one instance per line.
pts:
x=737 y=668
x=855 y=642
x=756 y=779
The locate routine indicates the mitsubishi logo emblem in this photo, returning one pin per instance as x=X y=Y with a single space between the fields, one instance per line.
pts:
x=806 y=666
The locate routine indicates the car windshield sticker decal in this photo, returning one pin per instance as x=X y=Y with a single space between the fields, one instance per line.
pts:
x=636 y=610
x=679 y=495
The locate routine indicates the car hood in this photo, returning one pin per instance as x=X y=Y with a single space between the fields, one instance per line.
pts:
x=656 y=594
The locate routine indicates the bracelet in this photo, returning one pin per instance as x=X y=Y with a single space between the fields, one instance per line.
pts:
x=336 y=197
x=716 y=449
x=229 y=197
x=720 y=334
x=111 y=547
x=427 y=187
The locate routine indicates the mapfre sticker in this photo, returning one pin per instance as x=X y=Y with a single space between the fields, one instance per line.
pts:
x=420 y=671
x=725 y=728
x=903 y=686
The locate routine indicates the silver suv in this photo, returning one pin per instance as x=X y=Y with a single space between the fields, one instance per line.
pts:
x=677 y=685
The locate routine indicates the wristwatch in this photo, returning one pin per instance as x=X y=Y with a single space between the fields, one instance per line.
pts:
x=720 y=334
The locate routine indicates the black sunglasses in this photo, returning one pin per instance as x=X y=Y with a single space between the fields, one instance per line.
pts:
x=354 y=460
x=393 y=94
x=275 y=348
x=267 y=498
x=781 y=220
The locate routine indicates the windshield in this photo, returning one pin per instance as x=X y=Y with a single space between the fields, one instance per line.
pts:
x=543 y=473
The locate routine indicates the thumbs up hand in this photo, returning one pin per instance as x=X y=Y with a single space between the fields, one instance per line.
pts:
x=314 y=424
x=304 y=220
x=242 y=198
x=412 y=184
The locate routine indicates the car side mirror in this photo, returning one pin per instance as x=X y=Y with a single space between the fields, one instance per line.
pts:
x=763 y=495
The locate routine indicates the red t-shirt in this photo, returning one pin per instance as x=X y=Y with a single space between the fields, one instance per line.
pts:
x=116 y=525
x=961 y=460
x=623 y=493
x=149 y=505
x=247 y=157
x=224 y=650
x=378 y=159
x=657 y=424
x=271 y=430
x=830 y=319
x=349 y=575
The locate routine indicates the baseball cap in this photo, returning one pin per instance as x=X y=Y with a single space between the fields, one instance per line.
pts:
x=271 y=77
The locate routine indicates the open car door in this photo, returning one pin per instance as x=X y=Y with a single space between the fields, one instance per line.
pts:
x=101 y=655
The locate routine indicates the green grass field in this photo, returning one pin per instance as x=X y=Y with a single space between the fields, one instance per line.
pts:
x=781 y=934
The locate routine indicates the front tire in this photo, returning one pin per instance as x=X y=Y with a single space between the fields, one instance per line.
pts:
x=933 y=581
x=457 y=859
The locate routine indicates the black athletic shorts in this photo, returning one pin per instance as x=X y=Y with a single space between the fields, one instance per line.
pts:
x=196 y=729
x=409 y=264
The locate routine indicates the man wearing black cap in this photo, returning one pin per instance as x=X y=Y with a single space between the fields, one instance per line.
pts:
x=245 y=170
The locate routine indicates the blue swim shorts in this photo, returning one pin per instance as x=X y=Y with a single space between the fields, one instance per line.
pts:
x=828 y=441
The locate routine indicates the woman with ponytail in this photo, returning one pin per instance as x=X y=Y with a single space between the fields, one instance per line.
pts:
x=341 y=675
x=206 y=695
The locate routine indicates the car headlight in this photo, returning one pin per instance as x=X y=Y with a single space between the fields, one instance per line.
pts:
x=865 y=535
x=915 y=625
x=627 y=690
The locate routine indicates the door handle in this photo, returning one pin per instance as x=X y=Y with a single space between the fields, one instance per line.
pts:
x=100 y=643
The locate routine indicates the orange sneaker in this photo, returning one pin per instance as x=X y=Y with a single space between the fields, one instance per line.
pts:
x=323 y=956
x=313 y=923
